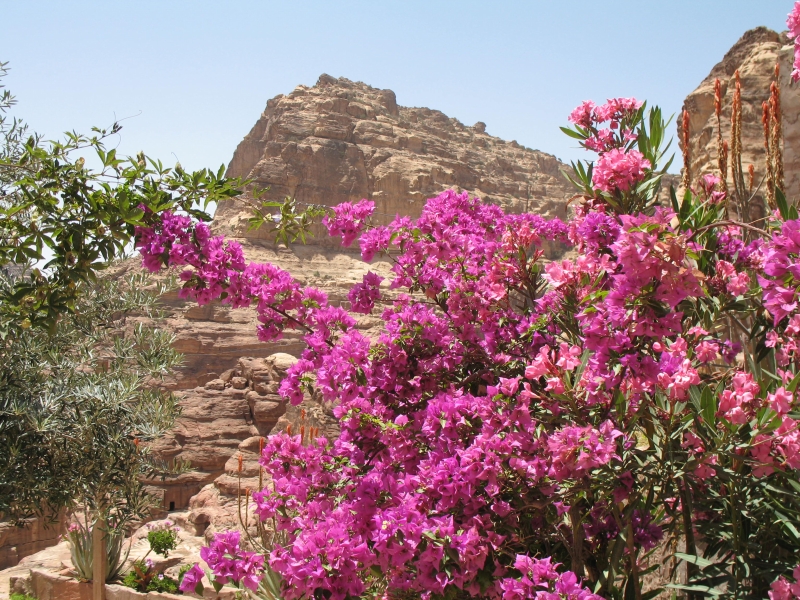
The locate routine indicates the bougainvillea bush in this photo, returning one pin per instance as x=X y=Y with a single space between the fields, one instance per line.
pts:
x=530 y=428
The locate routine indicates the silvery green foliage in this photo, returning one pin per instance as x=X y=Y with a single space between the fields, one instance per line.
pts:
x=79 y=368
x=68 y=221
x=78 y=407
x=81 y=550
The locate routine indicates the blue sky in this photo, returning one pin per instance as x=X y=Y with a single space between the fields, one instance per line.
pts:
x=194 y=76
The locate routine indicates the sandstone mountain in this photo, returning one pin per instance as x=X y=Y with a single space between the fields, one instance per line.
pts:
x=755 y=56
x=341 y=140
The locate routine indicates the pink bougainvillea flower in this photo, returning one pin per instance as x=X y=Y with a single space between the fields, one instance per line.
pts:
x=349 y=220
x=191 y=579
x=363 y=295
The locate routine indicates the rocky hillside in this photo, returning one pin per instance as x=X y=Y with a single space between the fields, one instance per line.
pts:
x=755 y=56
x=341 y=140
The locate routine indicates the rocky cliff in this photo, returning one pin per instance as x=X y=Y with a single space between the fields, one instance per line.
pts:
x=341 y=140
x=754 y=56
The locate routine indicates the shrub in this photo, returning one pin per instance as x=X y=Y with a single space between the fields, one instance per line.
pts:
x=162 y=583
x=143 y=578
x=79 y=536
x=162 y=541
x=65 y=366
x=131 y=580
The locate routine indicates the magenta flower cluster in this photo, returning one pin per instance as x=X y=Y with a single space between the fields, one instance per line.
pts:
x=615 y=110
x=228 y=564
x=192 y=579
x=348 y=220
x=617 y=169
x=363 y=295
x=793 y=23
x=504 y=390
x=541 y=581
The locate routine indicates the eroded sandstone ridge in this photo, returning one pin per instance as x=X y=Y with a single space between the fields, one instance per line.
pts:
x=341 y=140
x=755 y=56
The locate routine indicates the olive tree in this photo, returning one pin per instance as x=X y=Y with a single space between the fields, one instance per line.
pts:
x=82 y=357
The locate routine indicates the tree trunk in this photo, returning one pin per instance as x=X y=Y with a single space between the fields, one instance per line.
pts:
x=578 y=536
x=688 y=534
x=99 y=559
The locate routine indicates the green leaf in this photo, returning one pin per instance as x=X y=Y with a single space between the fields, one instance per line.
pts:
x=584 y=361
x=708 y=402
x=630 y=589
x=793 y=384
x=695 y=588
x=686 y=206
x=780 y=200
x=573 y=134
x=695 y=560
x=788 y=524
x=652 y=593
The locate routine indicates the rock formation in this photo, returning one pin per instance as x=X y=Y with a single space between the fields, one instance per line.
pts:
x=755 y=56
x=218 y=506
x=226 y=418
x=341 y=140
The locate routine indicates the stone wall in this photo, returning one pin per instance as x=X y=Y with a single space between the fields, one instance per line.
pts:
x=26 y=538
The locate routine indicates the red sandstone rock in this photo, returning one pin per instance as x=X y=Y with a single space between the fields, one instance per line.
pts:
x=26 y=538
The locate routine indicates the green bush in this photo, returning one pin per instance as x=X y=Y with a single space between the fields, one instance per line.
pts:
x=21 y=597
x=78 y=388
x=143 y=578
x=162 y=541
x=167 y=585
x=130 y=580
